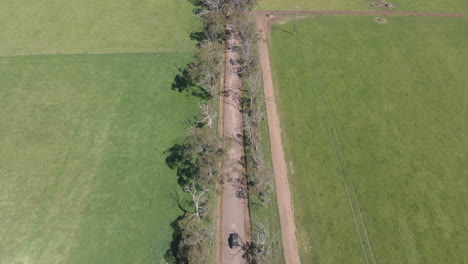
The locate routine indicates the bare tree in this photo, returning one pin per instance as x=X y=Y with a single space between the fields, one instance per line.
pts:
x=262 y=243
x=206 y=67
x=262 y=249
x=208 y=114
x=215 y=5
x=214 y=24
x=207 y=153
x=244 y=25
x=196 y=233
x=198 y=199
x=195 y=240
x=241 y=5
x=256 y=105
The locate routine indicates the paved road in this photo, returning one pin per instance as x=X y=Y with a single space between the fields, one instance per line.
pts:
x=234 y=210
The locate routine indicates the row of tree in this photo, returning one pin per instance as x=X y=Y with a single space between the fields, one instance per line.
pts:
x=199 y=159
x=263 y=247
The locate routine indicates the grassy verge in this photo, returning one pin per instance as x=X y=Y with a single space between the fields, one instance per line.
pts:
x=83 y=172
x=269 y=212
x=374 y=122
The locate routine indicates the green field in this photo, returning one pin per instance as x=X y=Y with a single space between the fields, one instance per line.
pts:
x=104 y=26
x=441 y=6
x=83 y=173
x=86 y=113
x=375 y=125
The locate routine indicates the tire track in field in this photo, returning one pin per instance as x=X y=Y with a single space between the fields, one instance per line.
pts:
x=366 y=242
x=351 y=194
x=348 y=193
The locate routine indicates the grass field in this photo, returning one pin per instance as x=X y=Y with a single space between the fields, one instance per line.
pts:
x=53 y=26
x=374 y=123
x=82 y=137
x=83 y=173
x=454 y=6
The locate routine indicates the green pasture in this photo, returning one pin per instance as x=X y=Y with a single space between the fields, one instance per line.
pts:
x=439 y=6
x=88 y=26
x=374 y=124
x=82 y=162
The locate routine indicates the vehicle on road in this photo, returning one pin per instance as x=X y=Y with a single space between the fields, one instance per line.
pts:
x=233 y=240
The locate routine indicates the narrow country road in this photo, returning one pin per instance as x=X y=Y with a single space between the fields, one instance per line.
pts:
x=234 y=213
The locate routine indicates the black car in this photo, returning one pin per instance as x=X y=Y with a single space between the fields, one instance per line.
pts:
x=233 y=240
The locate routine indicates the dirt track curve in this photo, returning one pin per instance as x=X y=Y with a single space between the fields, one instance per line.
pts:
x=285 y=207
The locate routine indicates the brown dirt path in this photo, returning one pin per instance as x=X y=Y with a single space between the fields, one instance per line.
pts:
x=233 y=206
x=376 y=13
x=288 y=225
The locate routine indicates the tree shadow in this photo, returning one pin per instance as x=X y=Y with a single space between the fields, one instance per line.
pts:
x=172 y=255
x=198 y=6
x=194 y=122
x=183 y=82
x=179 y=201
x=198 y=36
x=180 y=156
x=273 y=27
x=180 y=159
x=200 y=93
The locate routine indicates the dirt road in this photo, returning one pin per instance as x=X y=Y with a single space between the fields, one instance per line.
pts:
x=234 y=213
x=288 y=226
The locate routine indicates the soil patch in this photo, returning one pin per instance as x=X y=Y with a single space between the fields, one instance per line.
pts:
x=381 y=20
x=292 y=168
